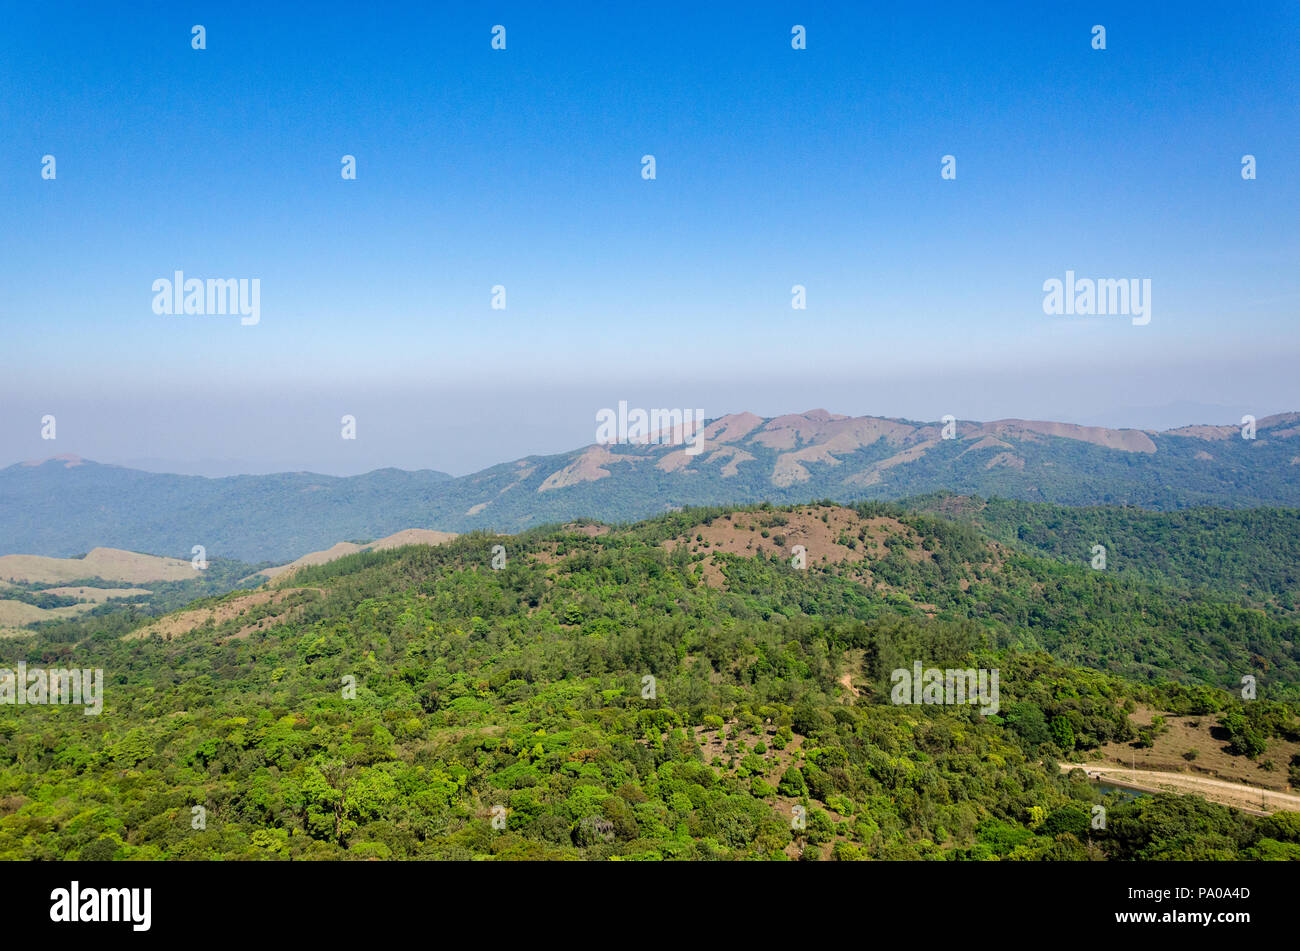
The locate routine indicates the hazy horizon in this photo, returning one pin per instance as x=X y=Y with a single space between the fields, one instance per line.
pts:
x=818 y=168
x=549 y=439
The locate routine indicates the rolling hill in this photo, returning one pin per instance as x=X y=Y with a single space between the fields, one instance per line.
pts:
x=677 y=688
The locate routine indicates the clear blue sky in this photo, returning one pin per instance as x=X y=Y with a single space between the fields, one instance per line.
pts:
x=775 y=167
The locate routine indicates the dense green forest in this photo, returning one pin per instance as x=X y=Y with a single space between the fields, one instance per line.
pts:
x=1254 y=553
x=643 y=694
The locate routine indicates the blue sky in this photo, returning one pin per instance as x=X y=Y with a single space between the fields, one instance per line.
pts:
x=521 y=167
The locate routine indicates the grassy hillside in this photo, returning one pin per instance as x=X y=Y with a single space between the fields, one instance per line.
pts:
x=47 y=606
x=507 y=713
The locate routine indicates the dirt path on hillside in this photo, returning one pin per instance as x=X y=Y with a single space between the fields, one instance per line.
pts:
x=1238 y=795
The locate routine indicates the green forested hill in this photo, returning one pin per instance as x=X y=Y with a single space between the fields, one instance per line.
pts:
x=251 y=518
x=1254 y=553
x=509 y=713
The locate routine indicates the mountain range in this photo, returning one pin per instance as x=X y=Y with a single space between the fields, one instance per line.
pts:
x=745 y=458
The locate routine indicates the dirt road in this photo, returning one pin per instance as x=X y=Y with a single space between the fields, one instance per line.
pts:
x=1238 y=795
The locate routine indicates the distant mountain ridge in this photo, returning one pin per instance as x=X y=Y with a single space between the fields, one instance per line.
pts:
x=67 y=505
